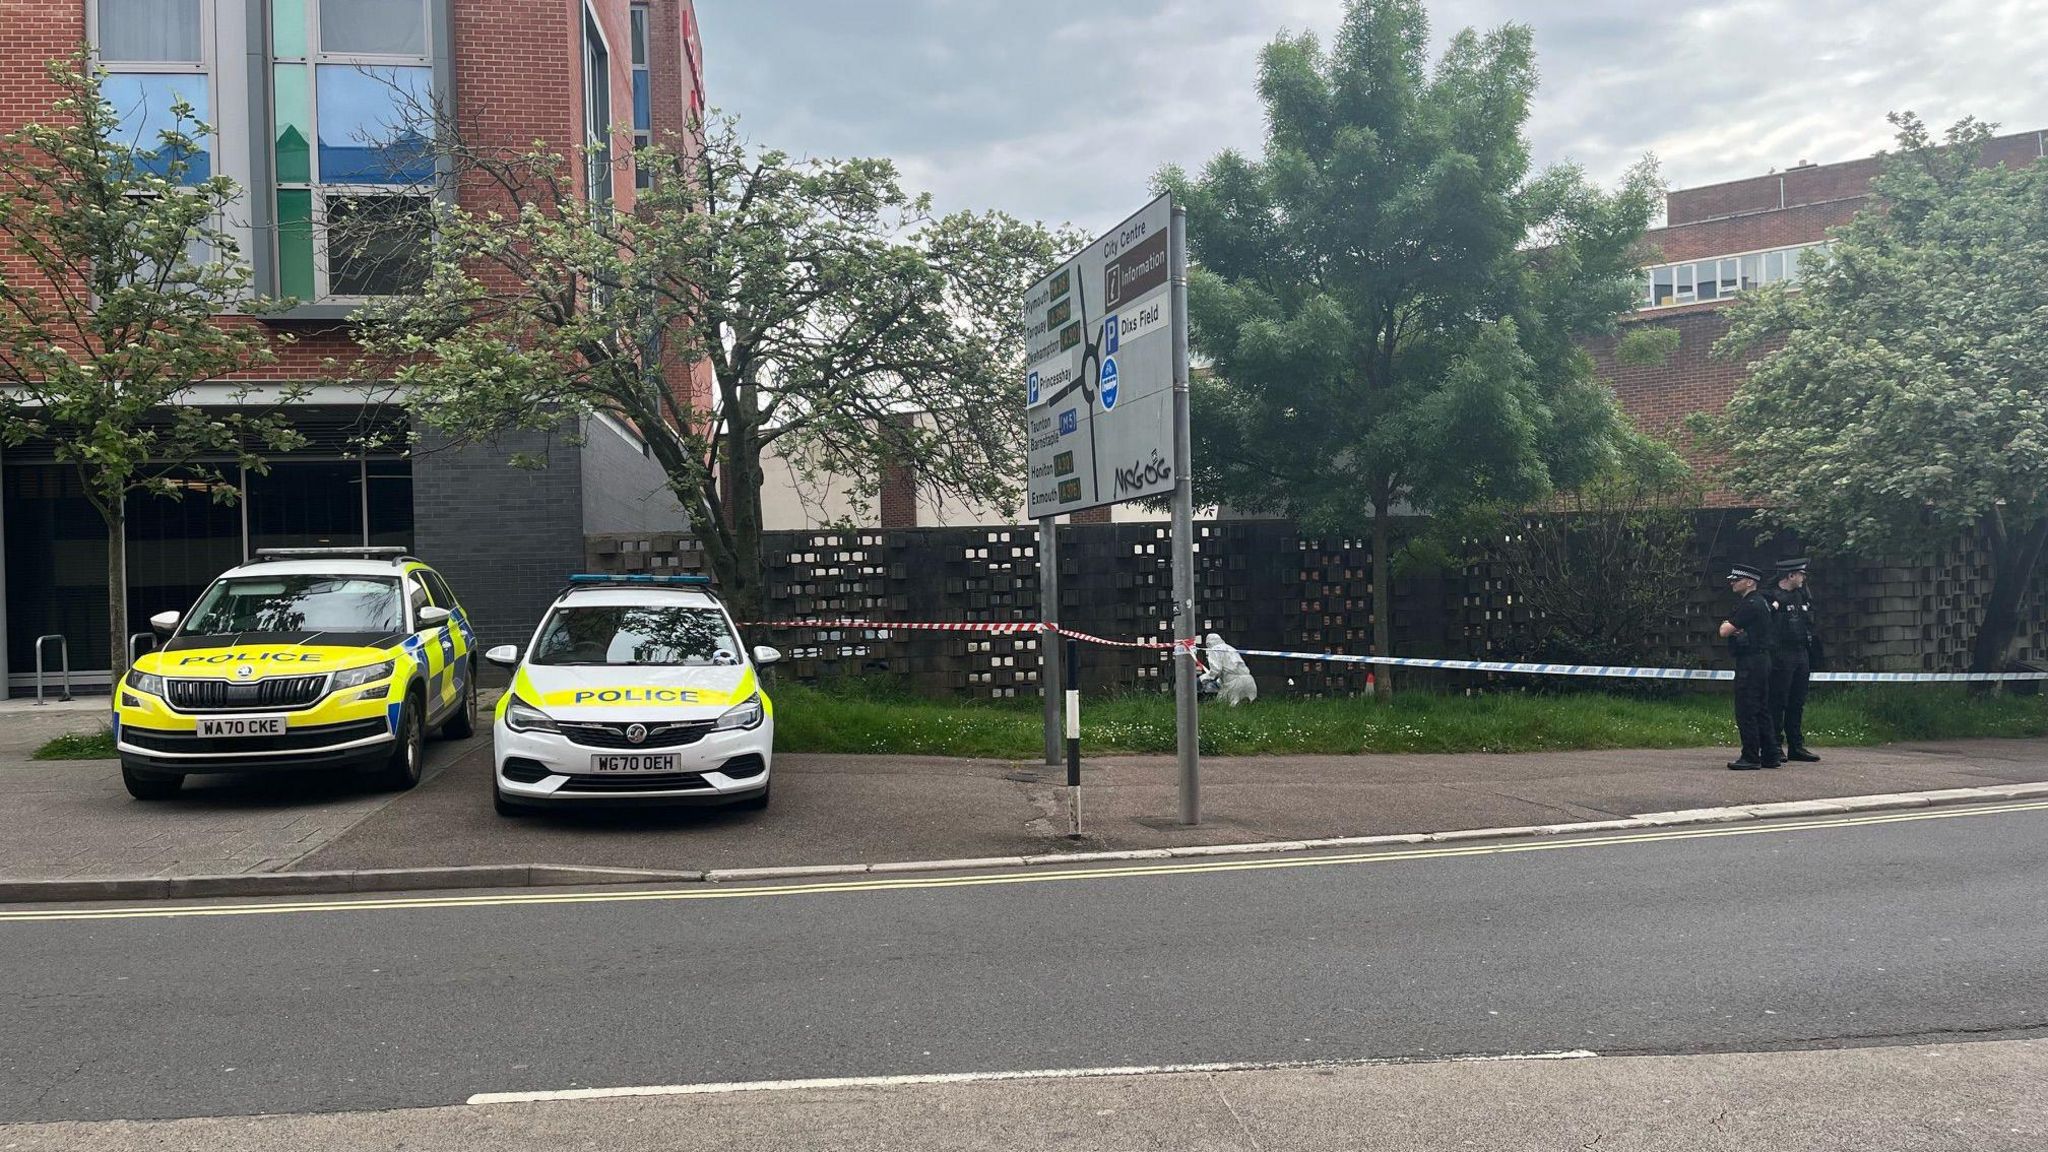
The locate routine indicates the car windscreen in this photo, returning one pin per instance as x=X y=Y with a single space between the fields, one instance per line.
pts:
x=298 y=603
x=631 y=634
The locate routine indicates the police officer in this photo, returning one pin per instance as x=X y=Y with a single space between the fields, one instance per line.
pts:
x=1749 y=631
x=1795 y=649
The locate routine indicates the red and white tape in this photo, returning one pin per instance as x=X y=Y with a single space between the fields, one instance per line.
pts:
x=1013 y=628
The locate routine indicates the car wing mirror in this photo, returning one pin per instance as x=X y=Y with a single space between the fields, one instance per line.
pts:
x=764 y=655
x=504 y=655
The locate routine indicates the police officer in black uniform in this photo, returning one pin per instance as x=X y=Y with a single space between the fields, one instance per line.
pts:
x=1795 y=649
x=1749 y=633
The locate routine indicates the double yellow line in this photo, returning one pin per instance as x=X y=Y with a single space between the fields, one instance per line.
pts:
x=1047 y=875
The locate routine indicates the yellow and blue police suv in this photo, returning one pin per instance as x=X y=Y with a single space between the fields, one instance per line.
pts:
x=302 y=658
x=635 y=690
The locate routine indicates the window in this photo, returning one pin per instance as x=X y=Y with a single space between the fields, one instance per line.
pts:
x=416 y=596
x=353 y=102
x=152 y=31
x=1724 y=276
x=377 y=244
x=373 y=124
x=154 y=52
x=643 y=97
x=597 y=109
x=437 y=588
x=295 y=604
x=636 y=635
x=373 y=27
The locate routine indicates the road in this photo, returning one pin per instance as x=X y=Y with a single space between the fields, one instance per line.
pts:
x=1908 y=928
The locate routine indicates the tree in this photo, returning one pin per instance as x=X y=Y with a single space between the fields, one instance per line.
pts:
x=1391 y=299
x=108 y=312
x=826 y=300
x=1900 y=395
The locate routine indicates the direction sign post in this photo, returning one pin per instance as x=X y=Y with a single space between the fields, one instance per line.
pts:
x=1187 y=721
x=1106 y=381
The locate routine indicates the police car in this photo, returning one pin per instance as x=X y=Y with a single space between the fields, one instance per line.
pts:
x=301 y=658
x=634 y=691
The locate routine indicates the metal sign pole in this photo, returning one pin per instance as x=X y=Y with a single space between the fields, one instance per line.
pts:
x=1074 y=734
x=1049 y=642
x=1187 y=721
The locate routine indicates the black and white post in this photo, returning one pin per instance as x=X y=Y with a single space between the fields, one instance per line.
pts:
x=1074 y=735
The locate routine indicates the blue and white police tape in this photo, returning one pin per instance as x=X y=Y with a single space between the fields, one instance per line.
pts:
x=1622 y=672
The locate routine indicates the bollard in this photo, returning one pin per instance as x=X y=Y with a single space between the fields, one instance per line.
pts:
x=1074 y=735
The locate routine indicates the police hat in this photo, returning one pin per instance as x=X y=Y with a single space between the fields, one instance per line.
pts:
x=1743 y=572
x=1795 y=564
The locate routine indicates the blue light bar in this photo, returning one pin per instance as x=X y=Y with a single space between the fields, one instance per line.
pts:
x=640 y=578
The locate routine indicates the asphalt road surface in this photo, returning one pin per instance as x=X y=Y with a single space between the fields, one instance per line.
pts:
x=1915 y=927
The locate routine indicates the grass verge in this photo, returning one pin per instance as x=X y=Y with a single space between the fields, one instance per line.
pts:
x=863 y=718
x=80 y=746
x=856 y=718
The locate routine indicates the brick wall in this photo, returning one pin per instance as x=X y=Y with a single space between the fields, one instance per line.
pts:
x=1806 y=224
x=1818 y=183
x=504 y=537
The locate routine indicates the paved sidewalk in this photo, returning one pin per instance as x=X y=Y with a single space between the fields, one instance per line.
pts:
x=866 y=809
x=73 y=820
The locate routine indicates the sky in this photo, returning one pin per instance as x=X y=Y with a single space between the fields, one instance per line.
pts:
x=1061 y=110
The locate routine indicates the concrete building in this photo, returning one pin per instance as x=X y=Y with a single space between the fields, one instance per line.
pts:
x=297 y=91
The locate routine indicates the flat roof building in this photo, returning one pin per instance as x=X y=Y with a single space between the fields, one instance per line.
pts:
x=1721 y=240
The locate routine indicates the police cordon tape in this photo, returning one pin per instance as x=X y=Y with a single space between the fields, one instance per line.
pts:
x=1610 y=671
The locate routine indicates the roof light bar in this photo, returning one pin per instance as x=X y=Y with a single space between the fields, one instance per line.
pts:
x=640 y=578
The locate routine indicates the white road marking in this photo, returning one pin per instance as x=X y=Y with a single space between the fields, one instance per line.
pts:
x=914 y=1080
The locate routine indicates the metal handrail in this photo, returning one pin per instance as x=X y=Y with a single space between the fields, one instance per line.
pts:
x=132 y=653
x=64 y=655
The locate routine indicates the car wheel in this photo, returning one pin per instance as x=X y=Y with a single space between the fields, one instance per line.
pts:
x=462 y=725
x=151 y=785
x=409 y=754
x=756 y=803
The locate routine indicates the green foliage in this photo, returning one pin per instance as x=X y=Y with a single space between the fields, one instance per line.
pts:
x=1391 y=298
x=80 y=746
x=860 y=718
x=1899 y=396
x=842 y=322
x=106 y=325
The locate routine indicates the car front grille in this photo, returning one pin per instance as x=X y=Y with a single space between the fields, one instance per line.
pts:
x=227 y=696
x=613 y=735
x=636 y=782
x=295 y=740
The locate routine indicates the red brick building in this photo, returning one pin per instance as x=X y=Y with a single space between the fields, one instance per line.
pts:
x=309 y=101
x=1723 y=239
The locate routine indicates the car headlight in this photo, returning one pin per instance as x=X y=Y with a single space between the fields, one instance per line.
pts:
x=523 y=717
x=148 y=682
x=745 y=715
x=357 y=677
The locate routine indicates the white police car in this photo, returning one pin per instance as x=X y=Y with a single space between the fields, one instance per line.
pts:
x=635 y=691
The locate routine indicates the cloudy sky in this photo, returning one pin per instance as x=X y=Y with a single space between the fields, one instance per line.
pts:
x=1060 y=110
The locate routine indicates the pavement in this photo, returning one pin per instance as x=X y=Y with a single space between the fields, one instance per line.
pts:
x=1895 y=929
x=73 y=821
x=1923 y=1098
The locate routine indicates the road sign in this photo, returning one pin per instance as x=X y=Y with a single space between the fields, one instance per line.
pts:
x=1106 y=393
x=1099 y=382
